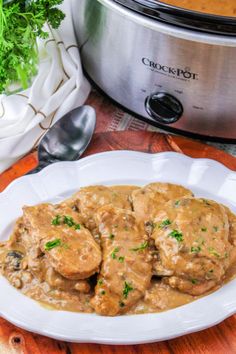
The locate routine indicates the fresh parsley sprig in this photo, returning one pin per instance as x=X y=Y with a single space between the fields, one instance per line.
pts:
x=21 y=22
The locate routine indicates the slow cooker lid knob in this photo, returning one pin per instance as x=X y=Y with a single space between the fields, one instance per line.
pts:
x=164 y=107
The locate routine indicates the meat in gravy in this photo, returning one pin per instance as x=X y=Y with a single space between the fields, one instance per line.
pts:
x=121 y=250
x=126 y=268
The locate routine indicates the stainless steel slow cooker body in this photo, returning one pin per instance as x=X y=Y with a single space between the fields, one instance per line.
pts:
x=168 y=75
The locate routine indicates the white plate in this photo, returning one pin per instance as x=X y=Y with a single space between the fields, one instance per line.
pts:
x=204 y=177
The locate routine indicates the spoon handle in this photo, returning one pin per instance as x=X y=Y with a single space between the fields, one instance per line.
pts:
x=38 y=168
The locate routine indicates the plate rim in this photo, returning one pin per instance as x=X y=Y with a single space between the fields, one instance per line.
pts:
x=103 y=339
x=177 y=155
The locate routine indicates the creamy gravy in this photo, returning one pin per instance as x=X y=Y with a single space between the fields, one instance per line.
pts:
x=159 y=297
x=214 y=7
x=36 y=278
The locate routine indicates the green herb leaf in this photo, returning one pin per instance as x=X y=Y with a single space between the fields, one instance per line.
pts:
x=164 y=223
x=194 y=281
x=52 y=244
x=113 y=254
x=142 y=247
x=121 y=259
x=177 y=235
x=203 y=229
x=103 y=292
x=21 y=22
x=68 y=220
x=195 y=249
x=127 y=289
x=111 y=236
x=177 y=202
x=56 y=221
x=100 y=282
x=213 y=251
x=121 y=304
x=215 y=228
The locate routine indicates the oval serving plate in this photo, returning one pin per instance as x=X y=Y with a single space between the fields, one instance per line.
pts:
x=206 y=178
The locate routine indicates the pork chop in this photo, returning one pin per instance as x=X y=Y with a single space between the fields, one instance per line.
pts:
x=192 y=238
x=148 y=200
x=57 y=232
x=126 y=268
x=89 y=199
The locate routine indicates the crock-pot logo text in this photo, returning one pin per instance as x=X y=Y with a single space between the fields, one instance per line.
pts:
x=178 y=73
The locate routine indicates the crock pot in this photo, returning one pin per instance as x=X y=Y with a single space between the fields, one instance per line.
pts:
x=173 y=68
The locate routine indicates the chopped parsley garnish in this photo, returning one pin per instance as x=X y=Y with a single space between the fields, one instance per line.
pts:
x=214 y=252
x=100 y=282
x=206 y=202
x=122 y=304
x=52 y=244
x=195 y=249
x=164 y=223
x=203 y=229
x=56 y=221
x=177 y=235
x=127 y=289
x=177 y=202
x=142 y=247
x=103 y=292
x=67 y=220
x=215 y=228
x=194 y=281
x=113 y=254
x=121 y=259
x=111 y=236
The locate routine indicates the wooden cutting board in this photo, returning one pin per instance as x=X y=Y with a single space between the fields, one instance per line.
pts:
x=219 y=339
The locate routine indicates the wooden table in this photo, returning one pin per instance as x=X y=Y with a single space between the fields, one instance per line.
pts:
x=220 y=339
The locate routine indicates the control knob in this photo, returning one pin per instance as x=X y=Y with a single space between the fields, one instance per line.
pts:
x=164 y=107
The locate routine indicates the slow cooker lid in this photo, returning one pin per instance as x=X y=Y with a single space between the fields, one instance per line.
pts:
x=182 y=17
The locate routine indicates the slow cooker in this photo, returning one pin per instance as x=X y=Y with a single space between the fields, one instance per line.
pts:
x=172 y=67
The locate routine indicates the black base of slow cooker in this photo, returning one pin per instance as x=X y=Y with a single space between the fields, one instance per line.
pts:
x=161 y=126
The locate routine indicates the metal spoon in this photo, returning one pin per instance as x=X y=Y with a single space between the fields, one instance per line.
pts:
x=68 y=138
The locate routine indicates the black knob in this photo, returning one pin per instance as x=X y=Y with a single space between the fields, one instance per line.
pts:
x=164 y=107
